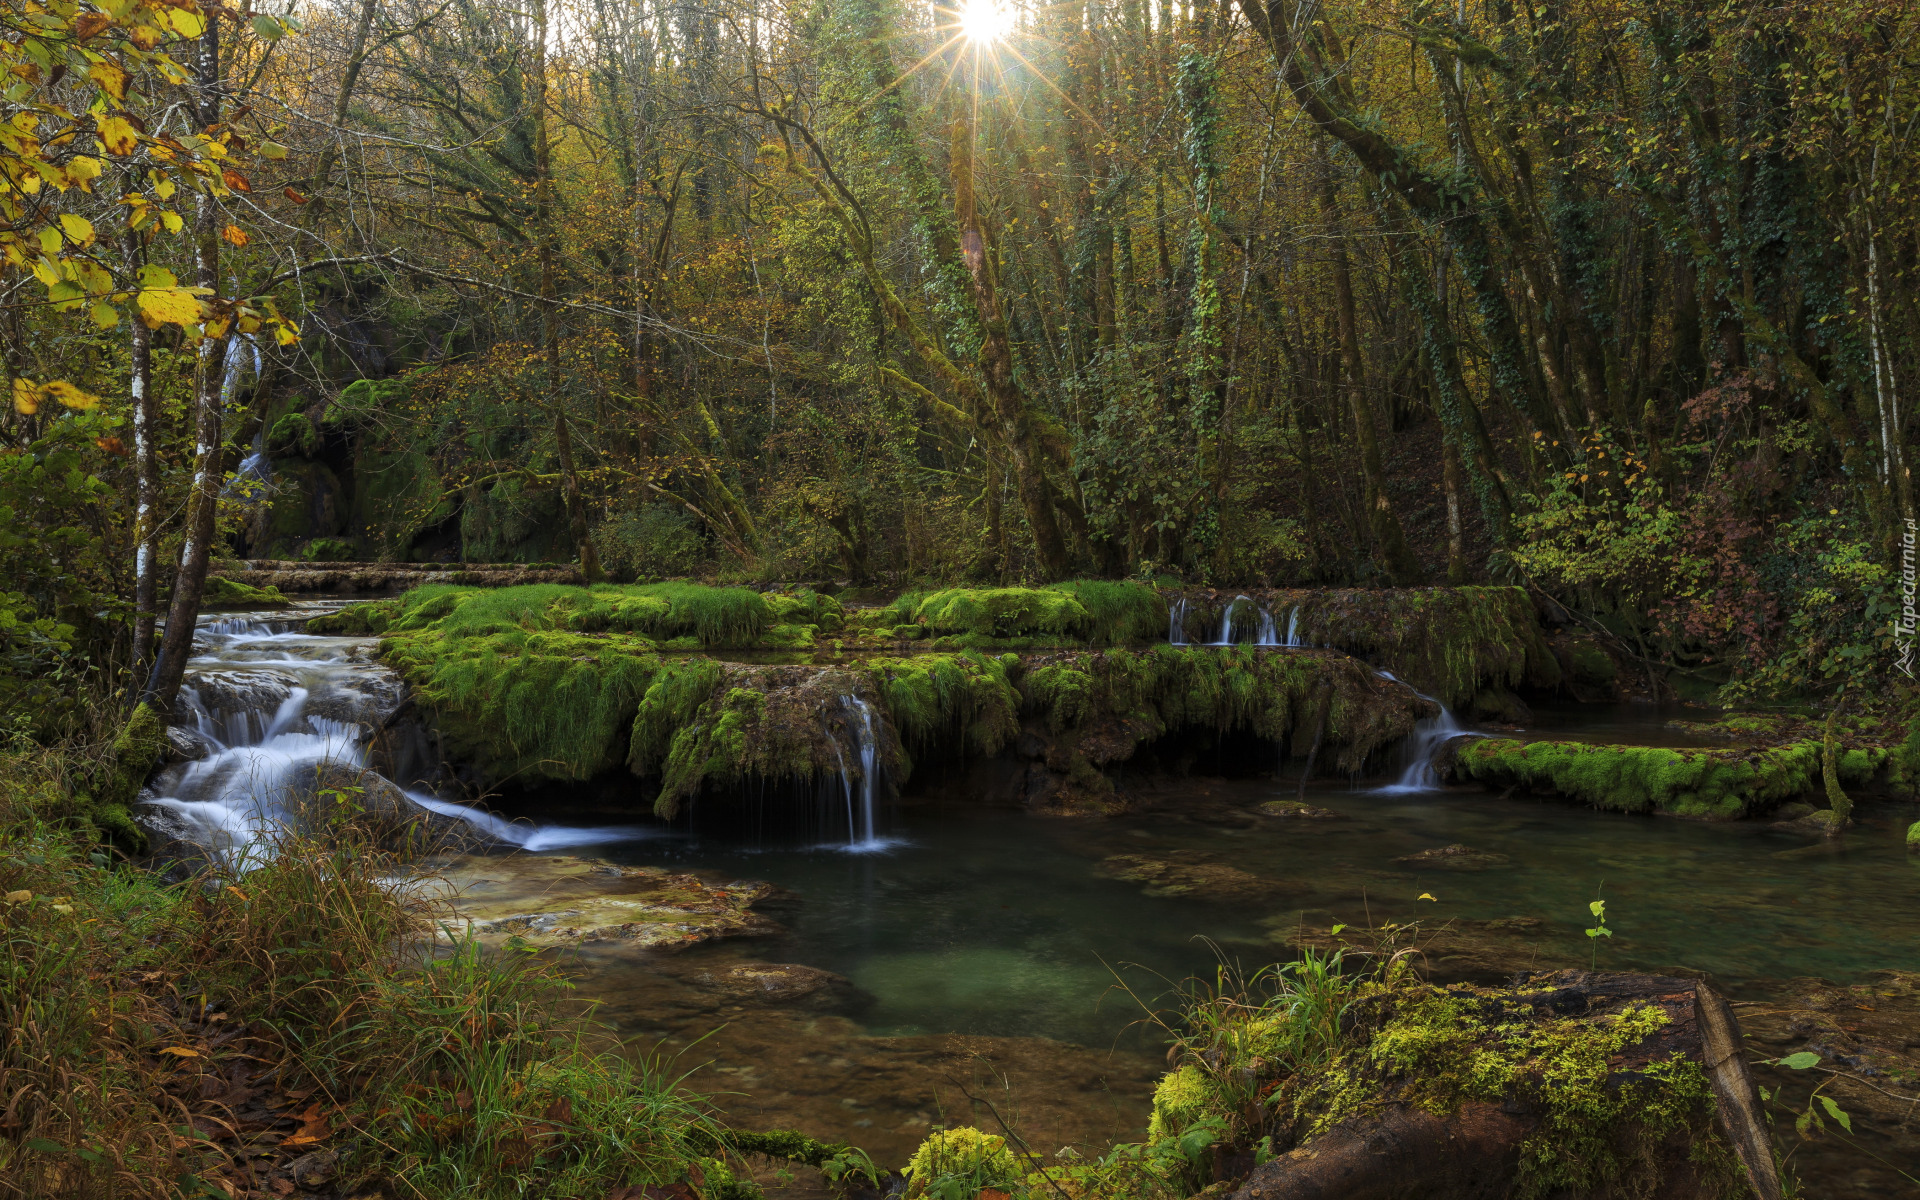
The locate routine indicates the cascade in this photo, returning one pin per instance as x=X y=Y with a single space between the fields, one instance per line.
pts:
x=1269 y=634
x=1422 y=744
x=1293 y=627
x=1226 y=622
x=861 y=825
x=1177 y=622
x=273 y=705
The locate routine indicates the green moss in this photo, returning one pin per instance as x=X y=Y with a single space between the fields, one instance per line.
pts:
x=1078 y=613
x=1715 y=784
x=222 y=592
x=974 y=1159
x=1602 y=1126
x=1451 y=642
x=673 y=697
x=293 y=434
x=938 y=699
x=807 y=607
x=529 y=704
x=1913 y=838
x=1180 y=1098
x=135 y=753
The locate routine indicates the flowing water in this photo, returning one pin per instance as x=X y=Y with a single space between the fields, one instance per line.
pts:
x=273 y=705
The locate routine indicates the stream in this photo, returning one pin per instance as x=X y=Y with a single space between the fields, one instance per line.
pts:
x=1005 y=965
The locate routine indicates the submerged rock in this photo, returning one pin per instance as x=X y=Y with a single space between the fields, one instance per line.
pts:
x=1298 y=810
x=563 y=900
x=786 y=985
x=1191 y=874
x=1455 y=858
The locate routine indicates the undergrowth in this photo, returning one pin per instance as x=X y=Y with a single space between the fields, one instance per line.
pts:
x=192 y=1039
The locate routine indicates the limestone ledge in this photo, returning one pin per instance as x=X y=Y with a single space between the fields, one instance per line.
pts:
x=552 y=901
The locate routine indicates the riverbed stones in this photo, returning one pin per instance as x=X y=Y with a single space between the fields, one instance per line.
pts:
x=1454 y=858
x=561 y=900
x=1194 y=874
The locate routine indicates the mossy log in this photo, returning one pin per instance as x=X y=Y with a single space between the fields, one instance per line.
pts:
x=1575 y=1084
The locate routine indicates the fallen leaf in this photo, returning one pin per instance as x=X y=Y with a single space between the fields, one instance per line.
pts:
x=313 y=1127
x=21 y=897
x=182 y=1051
x=281 y=1186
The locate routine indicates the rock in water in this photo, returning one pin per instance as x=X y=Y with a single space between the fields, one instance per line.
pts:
x=1455 y=858
x=1298 y=810
x=784 y=985
x=561 y=900
x=1185 y=874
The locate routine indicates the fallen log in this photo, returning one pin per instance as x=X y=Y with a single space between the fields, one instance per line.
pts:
x=1572 y=1084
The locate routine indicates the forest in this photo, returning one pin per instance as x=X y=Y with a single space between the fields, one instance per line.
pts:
x=445 y=418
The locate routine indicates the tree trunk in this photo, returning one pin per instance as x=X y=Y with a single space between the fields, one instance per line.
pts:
x=203 y=502
x=550 y=308
x=1389 y=538
x=146 y=469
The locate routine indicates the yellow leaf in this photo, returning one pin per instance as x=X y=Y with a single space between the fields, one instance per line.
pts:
x=83 y=170
x=186 y=24
x=1426 y=896
x=162 y=186
x=235 y=235
x=79 y=230
x=272 y=150
x=172 y=221
x=236 y=891
x=65 y=910
x=105 y=315
x=19 y=897
x=117 y=134
x=71 y=396
x=168 y=306
x=157 y=277
x=285 y=334
x=49 y=240
x=112 y=80
x=181 y=1051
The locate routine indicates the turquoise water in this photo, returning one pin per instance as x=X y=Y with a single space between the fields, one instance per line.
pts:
x=994 y=922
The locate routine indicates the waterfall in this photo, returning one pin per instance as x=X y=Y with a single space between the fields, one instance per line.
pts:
x=1226 y=622
x=862 y=835
x=275 y=706
x=1422 y=744
x=1293 y=627
x=1269 y=635
x=1177 y=622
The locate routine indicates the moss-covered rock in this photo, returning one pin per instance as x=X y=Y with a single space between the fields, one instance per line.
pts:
x=1085 y=612
x=1710 y=784
x=224 y=593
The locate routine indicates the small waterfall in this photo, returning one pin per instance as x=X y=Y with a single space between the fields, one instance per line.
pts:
x=1269 y=635
x=1177 y=622
x=1293 y=628
x=1422 y=744
x=861 y=821
x=277 y=706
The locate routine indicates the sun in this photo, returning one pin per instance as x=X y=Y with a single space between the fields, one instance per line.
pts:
x=985 y=20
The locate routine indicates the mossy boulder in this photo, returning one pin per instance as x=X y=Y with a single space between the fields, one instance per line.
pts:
x=292 y=435
x=224 y=593
x=1709 y=784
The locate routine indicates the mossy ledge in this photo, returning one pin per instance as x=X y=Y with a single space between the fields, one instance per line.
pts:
x=567 y=683
x=1716 y=784
x=1458 y=644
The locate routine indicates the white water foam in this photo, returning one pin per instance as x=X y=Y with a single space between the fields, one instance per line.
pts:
x=1422 y=744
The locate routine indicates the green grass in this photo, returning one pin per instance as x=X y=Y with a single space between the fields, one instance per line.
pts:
x=131 y=1004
